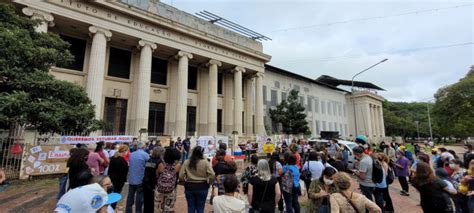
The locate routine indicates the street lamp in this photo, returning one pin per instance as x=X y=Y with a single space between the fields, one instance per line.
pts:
x=418 y=129
x=352 y=90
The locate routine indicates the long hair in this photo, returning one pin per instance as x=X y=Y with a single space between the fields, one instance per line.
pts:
x=273 y=160
x=424 y=174
x=99 y=146
x=263 y=170
x=78 y=158
x=196 y=156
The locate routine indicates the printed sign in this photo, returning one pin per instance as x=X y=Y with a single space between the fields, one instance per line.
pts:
x=268 y=148
x=95 y=139
x=50 y=159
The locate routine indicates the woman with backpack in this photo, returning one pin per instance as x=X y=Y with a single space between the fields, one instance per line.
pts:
x=291 y=185
x=319 y=191
x=381 y=193
x=167 y=173
x=264 y=190
x=197 y=174
x=312 y=169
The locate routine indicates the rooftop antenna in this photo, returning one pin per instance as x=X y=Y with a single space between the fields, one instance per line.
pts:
x=217 y=20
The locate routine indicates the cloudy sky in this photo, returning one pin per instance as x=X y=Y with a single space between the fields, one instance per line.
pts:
x=429 y=44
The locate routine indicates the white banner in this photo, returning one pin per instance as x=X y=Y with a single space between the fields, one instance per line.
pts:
x=95 y=139
x=208 y=143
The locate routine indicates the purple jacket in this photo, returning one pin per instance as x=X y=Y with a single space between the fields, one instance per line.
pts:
x=402 y=172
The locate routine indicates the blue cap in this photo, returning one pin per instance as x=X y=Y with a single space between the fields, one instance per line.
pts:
x=113 y=198
x=361 y=139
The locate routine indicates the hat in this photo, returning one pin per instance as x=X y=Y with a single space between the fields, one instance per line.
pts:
x=402 y=148
x=88 y=198
x=434 y=150
x=361 y=139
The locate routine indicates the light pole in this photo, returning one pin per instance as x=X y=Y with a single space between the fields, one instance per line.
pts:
x=352 y=90
x=418 y=129
x=429 y=121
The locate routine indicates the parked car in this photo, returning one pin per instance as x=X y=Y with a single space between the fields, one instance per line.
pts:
x=318 y=141
x=349 y=145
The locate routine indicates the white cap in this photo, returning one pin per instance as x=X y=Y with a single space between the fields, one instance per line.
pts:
x=88 y=198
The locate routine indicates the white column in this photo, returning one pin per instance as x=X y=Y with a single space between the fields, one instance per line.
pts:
x=142 y=104
x=95 y=74
x=374 y=121
x=249 y=103
x=367 y=121
x=238 y=99
x=212 y=106
x=381 y=122
x=46 y=19
x=259 y=126
x=182 y=94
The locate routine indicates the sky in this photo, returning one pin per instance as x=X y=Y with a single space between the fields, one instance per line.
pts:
x=428 y=44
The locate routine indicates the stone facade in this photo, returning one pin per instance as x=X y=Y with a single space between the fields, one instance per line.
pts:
x=149 y=67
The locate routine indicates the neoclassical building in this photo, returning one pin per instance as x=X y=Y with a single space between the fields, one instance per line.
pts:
x=152 y=69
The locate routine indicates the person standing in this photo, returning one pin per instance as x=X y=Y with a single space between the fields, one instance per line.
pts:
x=277 y=170
x=248 y=150
x=77 y=164
x=99 y=149
x=320 y=189
x=401 y=170
x=468 y=155
x=179 y=146
x=137 y=163
x=381 y=193
x=364 y=172
x=94 y=161
x=291 y=185
x=227 y=202
x=333 y=148
x=294 y=151
x=264 y=191
x=118 y=170
x=167 y=173
x=434 y=195
x=150 y=178
x=460 y=200
x=249 y=172
x=314 y=166
x=197 y=174
x=186 y=148
x=468 y=180
x=346 y=201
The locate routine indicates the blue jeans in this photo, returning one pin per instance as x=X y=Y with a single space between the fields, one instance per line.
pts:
x=196 y=196
x=62 y=186
x=185 y=156
x=367 y=191
x=135 y=196
x=291 y=201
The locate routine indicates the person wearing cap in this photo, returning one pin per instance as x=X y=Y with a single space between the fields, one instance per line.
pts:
x=364 y=172
x=136 y=173
x=88 y=198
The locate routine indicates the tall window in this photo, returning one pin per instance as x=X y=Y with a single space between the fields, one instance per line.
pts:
x=264 y=94
x=316 y=105
x=219 y=83
x=324 y=126
x=191 y=120
x=318 y=127
x=219 y=120
x=156 y=118
x=323 y=107
x=274 y=99
x=192 y=77
x=119 y=63
x=283 y=96
x=78 y=50
x=310 y=104
x=115 y=115
x=329 y=108
x=159 y=71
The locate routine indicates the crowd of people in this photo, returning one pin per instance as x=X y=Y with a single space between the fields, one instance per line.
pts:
x=269 y=183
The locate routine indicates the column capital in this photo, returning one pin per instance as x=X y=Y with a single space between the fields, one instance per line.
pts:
x=143 y=43
x=238 y=69
x=184 y=54
x=259 y=75
x=40 y=15
x=214 y=62
x=96 y=29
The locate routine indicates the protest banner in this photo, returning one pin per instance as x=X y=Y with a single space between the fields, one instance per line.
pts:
x=46 y=159
x=95 y=139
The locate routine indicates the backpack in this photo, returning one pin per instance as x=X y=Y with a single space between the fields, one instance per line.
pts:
x=166 y=182
x=287 y=181
x=390 y=175
x=377 y=171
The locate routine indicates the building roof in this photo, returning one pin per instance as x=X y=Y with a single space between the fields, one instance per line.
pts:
x=337 y=82
x=303 y=78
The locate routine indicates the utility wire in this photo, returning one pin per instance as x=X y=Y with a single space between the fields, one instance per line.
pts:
x=369 y=18
x=410 y=50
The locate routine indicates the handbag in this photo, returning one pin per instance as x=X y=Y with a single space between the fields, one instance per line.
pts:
x=306 y=174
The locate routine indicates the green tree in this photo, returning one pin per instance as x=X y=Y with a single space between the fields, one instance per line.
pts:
x=29 y=95
x=290 y=114
x=453 y=110
x=401 y=119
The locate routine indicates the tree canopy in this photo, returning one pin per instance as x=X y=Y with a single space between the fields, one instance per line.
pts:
x=454 y=108
x=401 y=118
x=291 y=115
x=29 y=94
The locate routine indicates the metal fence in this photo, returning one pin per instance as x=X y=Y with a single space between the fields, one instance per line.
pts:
x=11 y=152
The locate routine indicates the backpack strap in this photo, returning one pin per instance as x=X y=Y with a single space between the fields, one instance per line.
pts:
x=350 y=202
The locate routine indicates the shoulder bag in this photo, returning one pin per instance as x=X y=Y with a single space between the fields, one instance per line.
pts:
x=263 y=196
x=350 y=202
